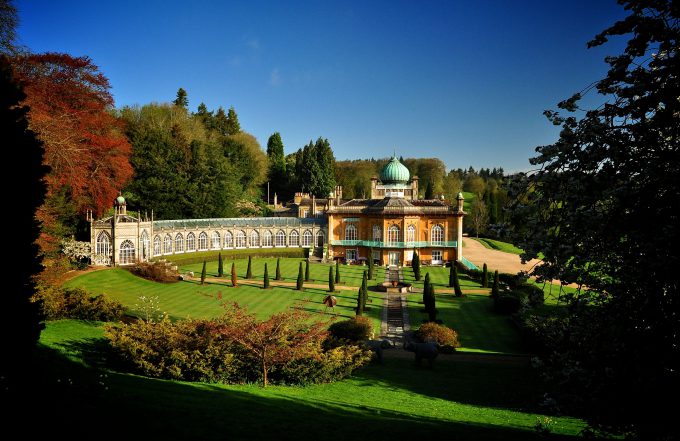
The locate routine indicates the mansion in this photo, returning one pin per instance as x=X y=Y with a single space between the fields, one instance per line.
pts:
x=388 y=228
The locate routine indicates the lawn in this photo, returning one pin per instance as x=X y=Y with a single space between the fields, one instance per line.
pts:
x=191 y=299
x=396 y=400
x=493 y=244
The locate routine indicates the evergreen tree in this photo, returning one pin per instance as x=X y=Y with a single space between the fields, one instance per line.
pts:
x=370 y=264
x=21 y=325
x=266 y=277
x=249 y=271
x=337 y=271
x=234 y=279
x=426 y=287
x=456 y=283
x=495 y=287
x=203 y=273
x=278 y=270
x=205 y=116
x=429 y=193
x=416 y=266
x=432 y=305
x=331 y=279
x=452 y=269
x=307 y=278
x=360 y=302
x=221 y=122
x=277 y=166
x=485 y=276
x=182 y=100
x=300 y=280
x=220 y=265
x=233 y=127
x=364 y=291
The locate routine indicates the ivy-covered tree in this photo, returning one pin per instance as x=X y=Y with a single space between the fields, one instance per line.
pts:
x=182 y=99
x=602 y=209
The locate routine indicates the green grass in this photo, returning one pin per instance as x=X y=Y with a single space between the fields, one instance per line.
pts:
x=200 y=256
x=392 y=401
x=191 y=299
x=500 y=246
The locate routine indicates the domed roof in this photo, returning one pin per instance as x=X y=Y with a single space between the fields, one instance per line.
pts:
x=120 y=200
x=394 y=172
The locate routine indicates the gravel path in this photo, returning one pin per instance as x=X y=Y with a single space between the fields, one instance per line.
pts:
x=478 y=254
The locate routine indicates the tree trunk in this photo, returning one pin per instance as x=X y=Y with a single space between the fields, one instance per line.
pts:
x=265 y=380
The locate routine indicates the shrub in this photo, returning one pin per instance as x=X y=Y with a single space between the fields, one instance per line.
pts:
x=76 y=303
x=535 y=294
x=331 y=280
x=156 y=271
x=445 y=337
x=355 y=329
x=507 y=303
x=333 y=364
x=415 y=263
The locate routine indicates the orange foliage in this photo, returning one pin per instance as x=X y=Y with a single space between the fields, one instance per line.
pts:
x=70 y=110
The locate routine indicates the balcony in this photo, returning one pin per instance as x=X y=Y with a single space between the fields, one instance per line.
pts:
x=378 y=244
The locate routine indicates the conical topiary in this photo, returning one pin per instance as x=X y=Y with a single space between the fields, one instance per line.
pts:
x=203 y=274
x=495 y=287
x=300 y=280
x=266 y=277
x=415 y=263
x=234 y=279
x=249 y=270
x=331 y=280
x=220 y=266
x=337 y=271
x=307 y=279
x=485 y=276
x=278 y=270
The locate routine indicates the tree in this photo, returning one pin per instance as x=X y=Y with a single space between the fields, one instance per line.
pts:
x=203 y=273
x=278 y=270
x=432 y=305
x=495 y=287
x=337 y=271
x=300 y=280
x=232 y=127
x=456 y=282
x=474 y=184
x=370 y=264
x=220 y=265
x=21 y=328
x=415 y=263
x=307 y=278
x=277 y=166
x=8 y=24
x=220 y=122
x=249 y=270
x=234 y=279
x=480 y=215
x=364 y=290
x=485 y=276
x=265 y=284
x=282 y=338
x=182 y=100
x=604 y=202
x=70 y=111
x=426 y=287
x=331 y=280
x=429 y=193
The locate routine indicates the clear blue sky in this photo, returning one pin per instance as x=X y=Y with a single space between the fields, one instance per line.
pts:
x=464 y=81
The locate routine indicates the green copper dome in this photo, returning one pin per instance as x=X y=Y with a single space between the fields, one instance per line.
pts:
x=120 y=200
x=394 y=172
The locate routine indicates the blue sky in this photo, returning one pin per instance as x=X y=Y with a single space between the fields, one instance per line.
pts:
x=463 y=81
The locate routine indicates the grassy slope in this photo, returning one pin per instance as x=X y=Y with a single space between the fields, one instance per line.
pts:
x=394 y=401
x=191 y=299
x=493 y=244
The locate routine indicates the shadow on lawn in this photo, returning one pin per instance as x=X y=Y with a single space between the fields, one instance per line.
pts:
x=85 y=402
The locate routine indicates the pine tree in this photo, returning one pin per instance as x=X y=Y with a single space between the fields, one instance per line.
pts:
x=220 y=121
x=220 y=265
x=429 y=193
x=233 y=126
x=182 y=100
x=426 y=287
x=307 y=279
x=456 y=283
x=485 y=276
x=331 y=280
x=337 y=271
x=416 y=266
x=278 y=270
x=494 y=287
x=249 y=271
x=432 y=305
x=300 y=279
x=203 y=273
x=234 y=279
x=364 y=291
x=266 y=277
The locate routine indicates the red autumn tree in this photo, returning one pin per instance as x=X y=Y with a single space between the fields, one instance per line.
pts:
x=282 y=338
x=71 y=111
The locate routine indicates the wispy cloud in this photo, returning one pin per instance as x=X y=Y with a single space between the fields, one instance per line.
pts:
x=275 y=77
x=253 y=43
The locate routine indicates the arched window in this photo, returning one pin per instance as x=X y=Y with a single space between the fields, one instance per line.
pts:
x=228 y=240
x=157 y=246
x=215 y=243
x=179 y=243
x=280 y=238
x=267 y=238
x=411 y=234
x=202 y=241
x=377 y=233
x=240 y=239
x=145 y=245
x=393 y=234
x=307 y=238
x=319 y=238
x=191 y=242
x=350 y=232
x=167 y=244
x=294 y=239
x=104 y=244
x=254 y=239
x=437 y=234
x=127 y=253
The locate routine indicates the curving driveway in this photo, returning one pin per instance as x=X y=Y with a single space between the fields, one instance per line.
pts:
x=478 y=254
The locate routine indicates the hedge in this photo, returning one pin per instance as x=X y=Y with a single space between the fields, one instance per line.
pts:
x=209 y=256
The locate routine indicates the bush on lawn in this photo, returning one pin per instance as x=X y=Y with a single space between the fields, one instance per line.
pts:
x=76 y=303
x=445 y=337
x=155 y=271
x=356 y=329
x=508 y=303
